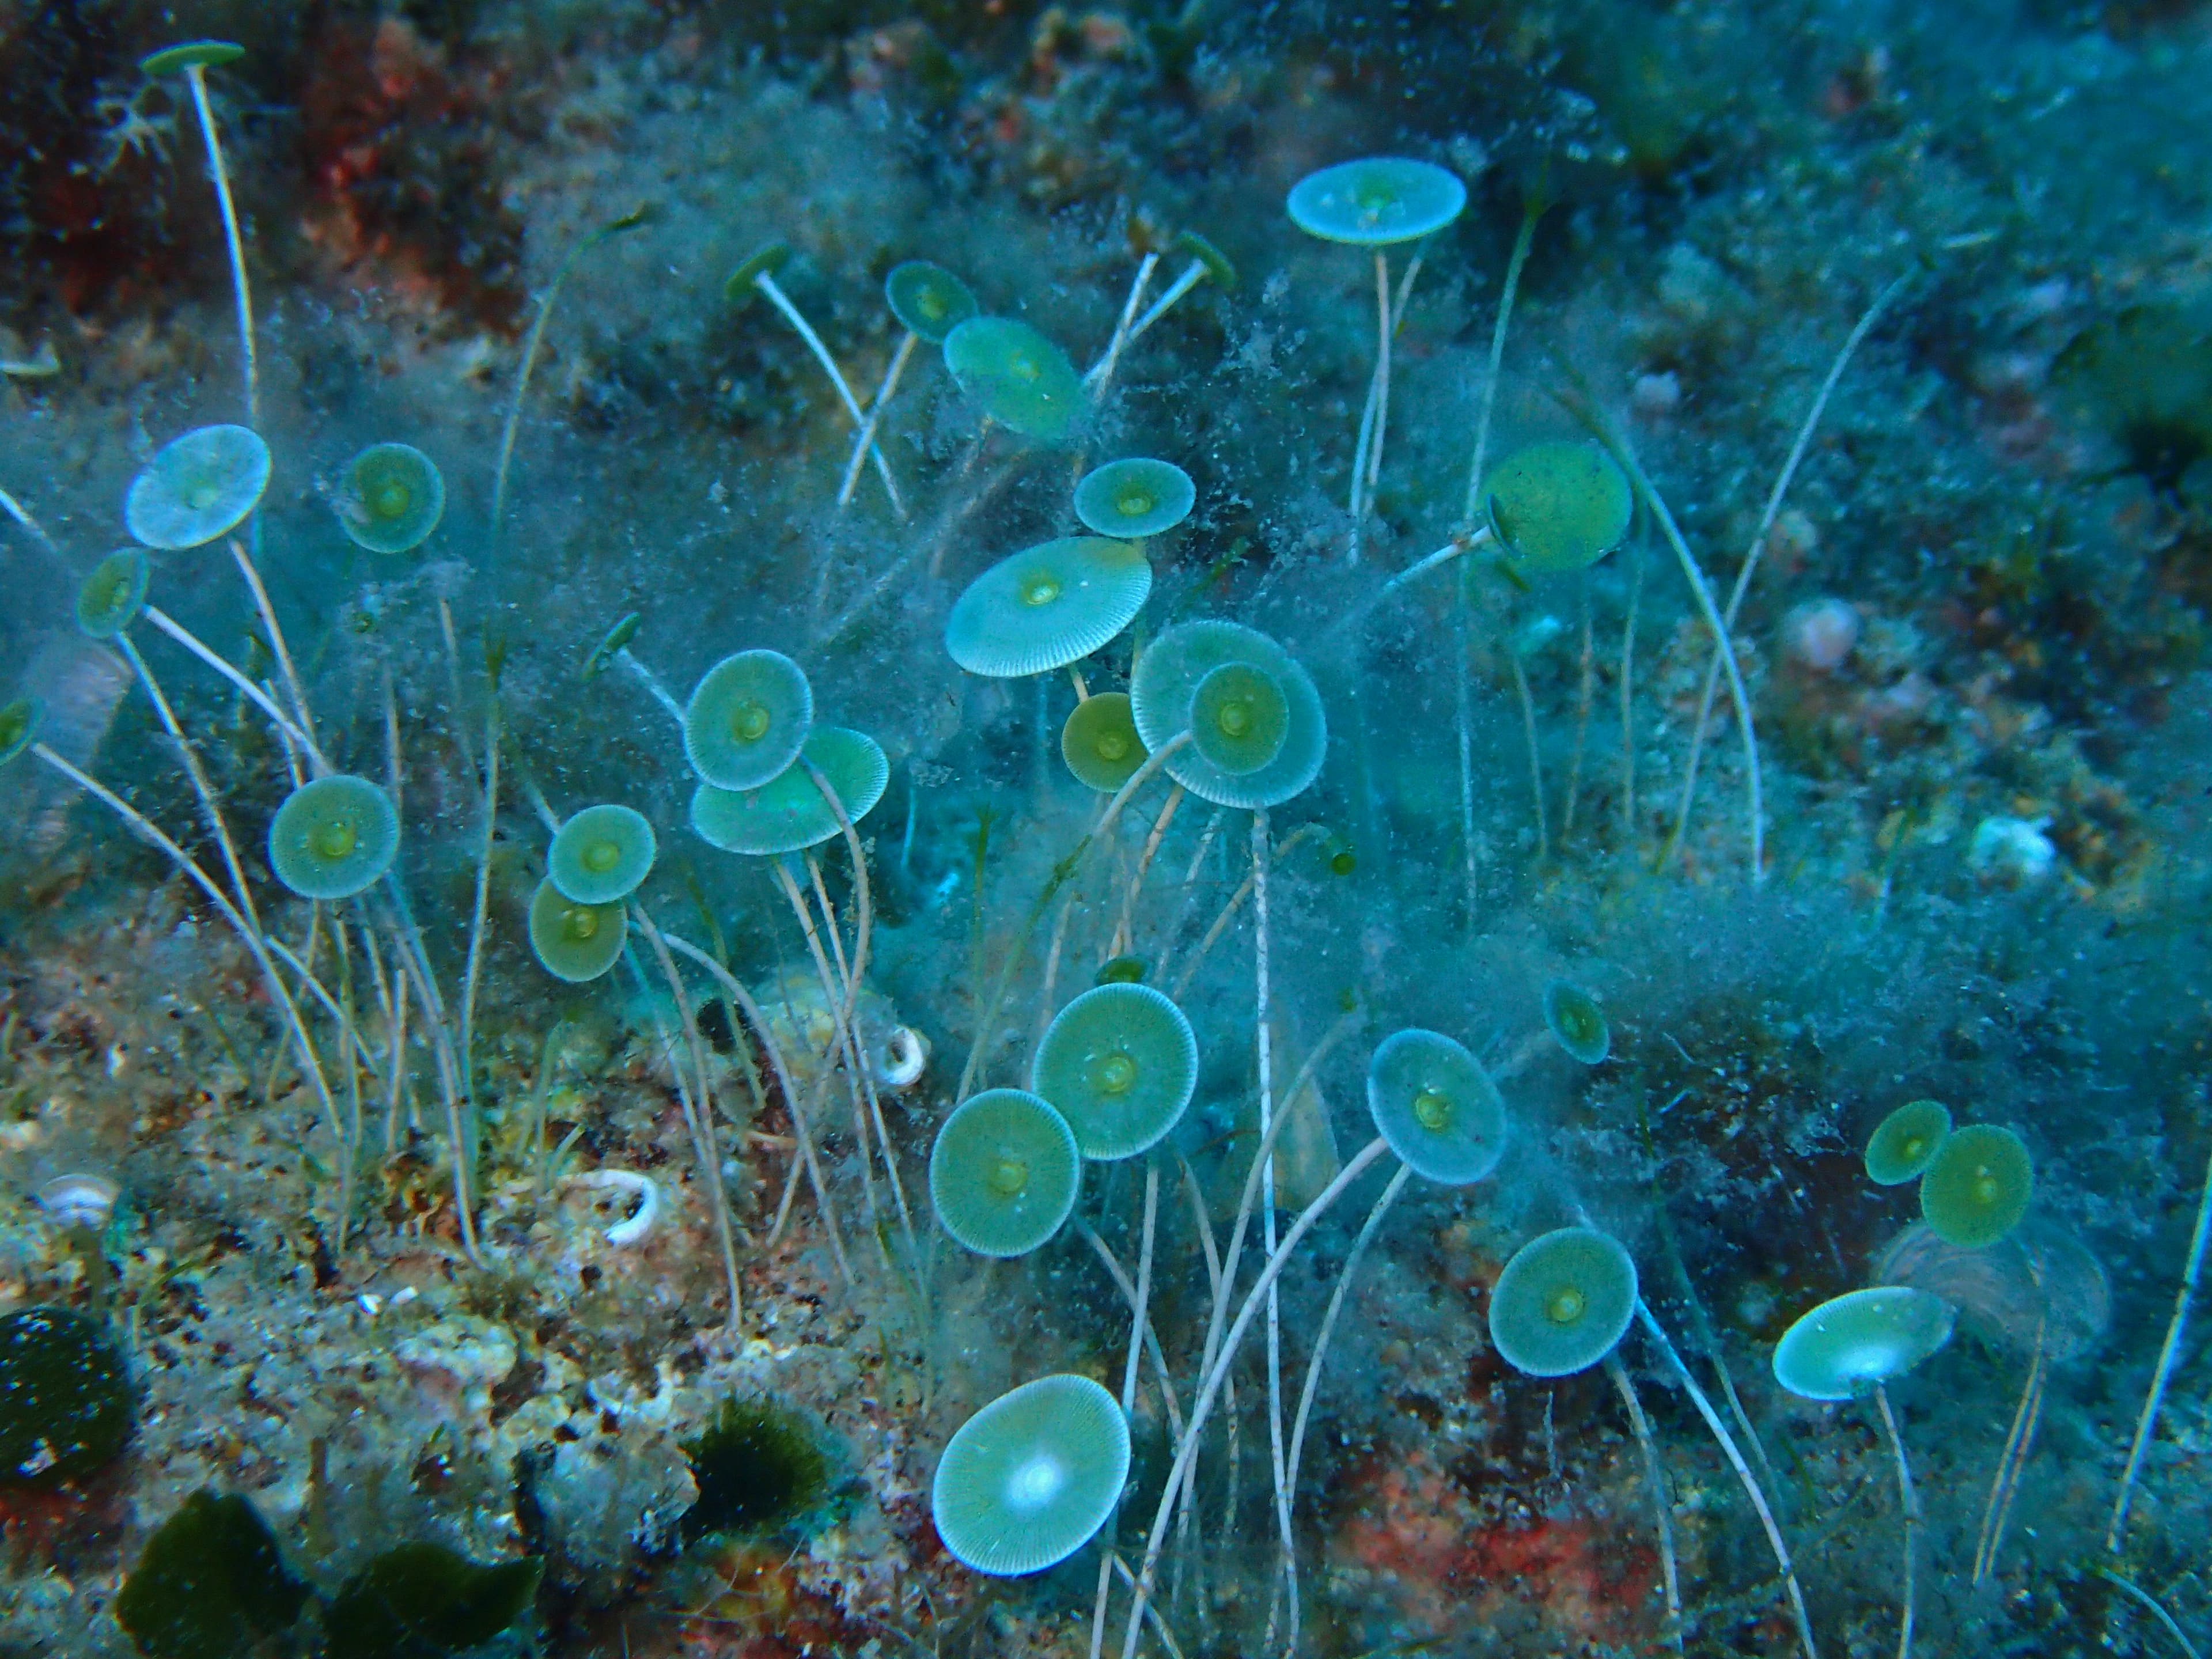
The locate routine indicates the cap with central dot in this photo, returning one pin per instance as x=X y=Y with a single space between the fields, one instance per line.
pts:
x=928 y=299
x=1850 y=1344
x=788 y=813
x=1003 y=1172
x=601 y=854
x=1976 y=1188
x=333 y=838
x=1120 y=1062
x=198 y=486
x=1047 y=606
x=748 y=719
x=1100 y=742
x=393 y=498
x=1376 y=202
x=1904 y=1144
x=576 y=942
x=1029 y=1479
x=1022 y=379
x=1134 y=498
x=113 y=594
x=1563 y=1303
x=1437 y=1107
x=1258 y=736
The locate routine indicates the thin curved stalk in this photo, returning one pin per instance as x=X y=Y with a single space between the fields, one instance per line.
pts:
x=2168 y=1355
x=1210 y=1389
x=1532 y=209
x=196 y=75
x=838 y=1048
x=1743 y=574
x=705 y=1143
x=1063 y=874
x=146 y=830
x=301 y=713
x=1701 y=591
x=1100 y=374
x=1228 y=914
x=1123 y=939
x=475 y=965
x=765 y=1033
x=1743 y=1474
x=776 y=297
x=590 y=239
x=864 y=440
x=1655 y=1477
x=1910 y=1502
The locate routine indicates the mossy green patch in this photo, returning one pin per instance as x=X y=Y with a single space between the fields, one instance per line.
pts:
x=210 y=1584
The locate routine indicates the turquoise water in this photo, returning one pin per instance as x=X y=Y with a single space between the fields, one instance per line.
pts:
x=1669 y=630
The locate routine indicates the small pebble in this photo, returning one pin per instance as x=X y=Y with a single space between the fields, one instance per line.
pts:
x=1819 y=633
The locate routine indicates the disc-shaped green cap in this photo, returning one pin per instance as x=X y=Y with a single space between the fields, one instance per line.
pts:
x=611 y=645
x=1029 y=1480
x=1376 y=202
x=113 y=594
x=1164 y=692
x=1844 y=1347
x=572 y=941
x=1576 y=1023
x=19 y=726
x=1904 y=1144
x=787 y=812
x=1976 y=1186
x=745 y=282
x=1100 y=742
x=1120 y=1062
x=333 y=838
x=1003 y=1172
x=391 y=499
x=1563 y=1303
x=1217 y=264
x=1134 y=498
x=1556 y=507
x=1047 y=606
x=198 y=486
x=1239 y=717
x=1437 y=1107
x=928 y=299
x=1023 y=380
x=190 y=54
x=748 y=719
x=601 y=854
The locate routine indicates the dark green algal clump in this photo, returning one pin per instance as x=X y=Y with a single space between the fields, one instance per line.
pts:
x=210 y=1584
x=66 y=1403
x=425 y=1601
x=759 y=1468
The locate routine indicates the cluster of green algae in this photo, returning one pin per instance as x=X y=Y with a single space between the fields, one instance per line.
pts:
x=1250 y=707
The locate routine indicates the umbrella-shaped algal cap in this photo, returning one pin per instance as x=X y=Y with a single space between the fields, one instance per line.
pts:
x=928 y=299
x=1374 y=202
x=611 y=645
x=1239 y=714
x=1848 y=1346
x=1556 y=507
x=198 y=486
x=332 y=838
x=391 y=498
x=1003 y=1172
x=1904 y=1144
x=572 y=941
x=113 y=594
x=1563 y=1303
x=788 y=813
x=1135 y=498
x=1437 y=1107
x=1022 y=379
x=1119 y=1063
x=1976 y=1186
x=1029 y=1480
x=748 y=719
x=601 y=854
x=1100 y=742
x=1576 y=1023
x=19 y=726
x=190 y=54
x=1047 y=606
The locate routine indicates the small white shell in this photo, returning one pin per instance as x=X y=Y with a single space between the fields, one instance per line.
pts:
x=640 y=1225
x=905 y=1056
x=79 y=1200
